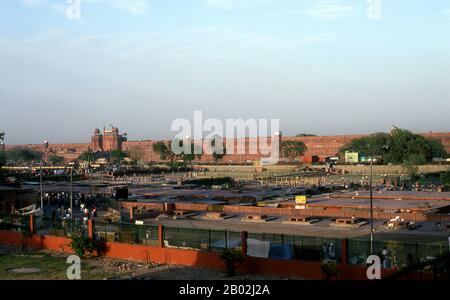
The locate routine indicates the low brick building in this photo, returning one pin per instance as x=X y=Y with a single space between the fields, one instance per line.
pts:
x=14 y=197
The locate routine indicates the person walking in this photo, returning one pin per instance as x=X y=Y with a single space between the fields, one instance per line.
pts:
x=385 y=258
x=331 y=253
x=449 y=242
x=394 y=263
x=325 y=252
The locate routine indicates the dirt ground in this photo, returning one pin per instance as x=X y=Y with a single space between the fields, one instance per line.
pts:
x=18 y=264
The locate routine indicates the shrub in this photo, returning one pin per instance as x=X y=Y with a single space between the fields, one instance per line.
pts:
x=329 y=269
x=231 y=258
x=82 y=245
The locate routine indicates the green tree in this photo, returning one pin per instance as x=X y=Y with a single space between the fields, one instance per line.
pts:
x=117 y=155
x=445 y=178
x=437 y=149
x=87 y=155
x=219 y=153
x=416 y=159
x=136 y=153
x=230 y=258
x=22 y=155
x=293 y=149
x=55 y=159
x=164 y=150
x=195 y=152
x=374 y=144
x=399 y=147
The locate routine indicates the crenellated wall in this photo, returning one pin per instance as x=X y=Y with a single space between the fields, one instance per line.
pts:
x=322 y=146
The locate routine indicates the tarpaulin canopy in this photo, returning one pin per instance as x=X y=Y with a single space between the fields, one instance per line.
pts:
x=280 y=251
x=258 y=248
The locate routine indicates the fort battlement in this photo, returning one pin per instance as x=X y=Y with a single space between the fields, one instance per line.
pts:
x=321 y=146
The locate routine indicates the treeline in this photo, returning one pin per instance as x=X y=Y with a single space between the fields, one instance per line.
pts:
x=19 y=155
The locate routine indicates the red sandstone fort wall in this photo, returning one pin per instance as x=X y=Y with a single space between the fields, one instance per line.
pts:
x=68 y=151
x=322 y=146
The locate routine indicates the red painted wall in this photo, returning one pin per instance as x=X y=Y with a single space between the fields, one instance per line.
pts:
x=253 y=265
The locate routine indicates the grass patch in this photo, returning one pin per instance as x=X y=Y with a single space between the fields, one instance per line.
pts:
x=52 y=267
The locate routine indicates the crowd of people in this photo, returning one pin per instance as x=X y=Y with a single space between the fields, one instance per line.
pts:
x=58 y=199
x=83 y=209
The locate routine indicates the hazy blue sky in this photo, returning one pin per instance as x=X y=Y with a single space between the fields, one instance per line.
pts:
x=320 y=67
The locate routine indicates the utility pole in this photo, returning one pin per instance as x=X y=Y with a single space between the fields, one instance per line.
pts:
x=90 y=184
x=371 y=205
x=40 y=186
x=71 y=191
x=384 y=147
x=91 y=177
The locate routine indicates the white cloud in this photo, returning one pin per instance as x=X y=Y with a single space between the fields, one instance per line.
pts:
x=447 y=12
x=332 y=10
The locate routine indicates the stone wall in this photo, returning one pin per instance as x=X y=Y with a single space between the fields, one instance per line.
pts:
x=322 y=146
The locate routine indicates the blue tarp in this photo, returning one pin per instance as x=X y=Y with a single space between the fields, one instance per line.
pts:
x=279 y=251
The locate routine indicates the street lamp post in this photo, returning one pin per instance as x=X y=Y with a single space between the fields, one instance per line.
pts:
x=371 y=205
x=40 y=186
x=90 y=177
x=71 y=191
x=385 y=147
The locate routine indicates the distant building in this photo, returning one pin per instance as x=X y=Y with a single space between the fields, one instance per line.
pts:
x=109 y=140
x=351 y=157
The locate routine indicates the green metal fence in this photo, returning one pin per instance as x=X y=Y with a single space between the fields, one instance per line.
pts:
x=308 y=248
x=126 y=233
x=57 y=227
x=399 y=253
x=14 y=223
x=201 y=239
